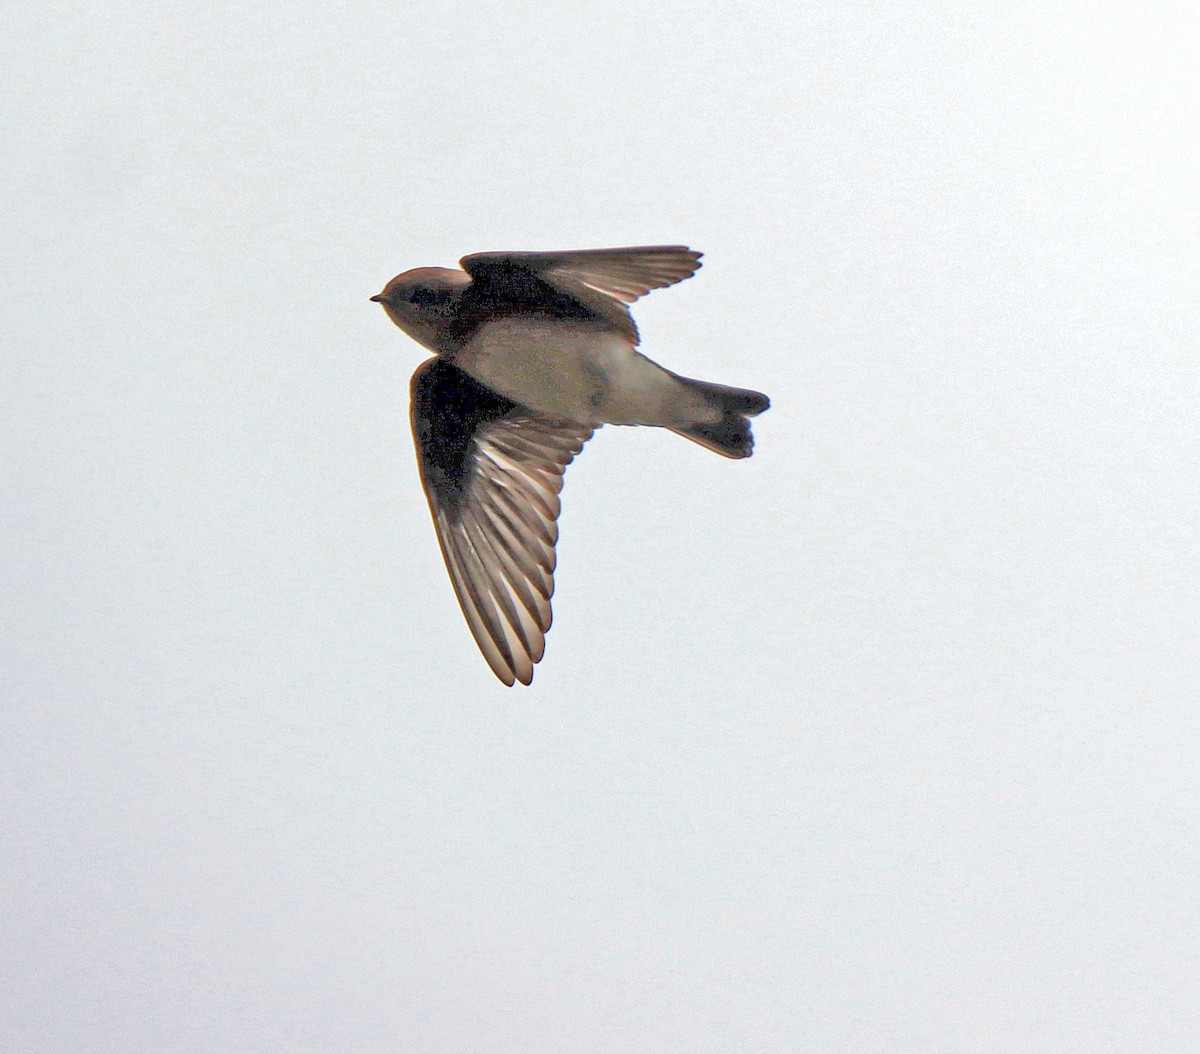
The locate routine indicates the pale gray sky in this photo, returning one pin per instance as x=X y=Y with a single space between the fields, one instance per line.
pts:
x=883 y=741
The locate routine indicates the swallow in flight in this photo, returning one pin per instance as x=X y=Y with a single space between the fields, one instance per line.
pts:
x=533 y=351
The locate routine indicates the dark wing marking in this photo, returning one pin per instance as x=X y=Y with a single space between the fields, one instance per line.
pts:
x=500 y=289
x=602 y=281
x=492 y=472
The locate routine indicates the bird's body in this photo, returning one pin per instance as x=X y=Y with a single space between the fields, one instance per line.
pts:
x=535 y=351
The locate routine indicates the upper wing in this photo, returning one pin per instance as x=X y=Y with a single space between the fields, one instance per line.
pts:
x=603 y=280
x=622 y=273
x=492 y=472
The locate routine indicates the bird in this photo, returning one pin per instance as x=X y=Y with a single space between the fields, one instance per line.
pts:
x=534 y=351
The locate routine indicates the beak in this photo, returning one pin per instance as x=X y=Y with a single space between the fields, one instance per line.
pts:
x=378 y=298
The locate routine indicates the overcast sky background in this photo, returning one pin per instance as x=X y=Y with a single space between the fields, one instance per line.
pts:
x=884 y=740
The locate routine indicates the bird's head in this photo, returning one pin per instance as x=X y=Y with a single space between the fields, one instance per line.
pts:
x=421 y=301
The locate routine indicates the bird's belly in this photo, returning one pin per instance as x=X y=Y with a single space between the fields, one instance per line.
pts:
x=578 y=371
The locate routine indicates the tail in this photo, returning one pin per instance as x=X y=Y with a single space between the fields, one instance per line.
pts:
x=730 y=435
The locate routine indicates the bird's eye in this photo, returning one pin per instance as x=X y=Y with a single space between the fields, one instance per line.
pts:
x=424 y=297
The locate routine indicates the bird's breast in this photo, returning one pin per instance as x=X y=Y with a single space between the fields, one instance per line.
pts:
x=560 y=369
